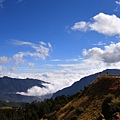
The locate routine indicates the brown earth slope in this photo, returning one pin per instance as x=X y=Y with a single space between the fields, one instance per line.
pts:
x=87 y=103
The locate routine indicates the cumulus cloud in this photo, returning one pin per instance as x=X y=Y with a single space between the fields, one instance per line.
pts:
x=82 y=26
x=101 y=23
x=110 y=54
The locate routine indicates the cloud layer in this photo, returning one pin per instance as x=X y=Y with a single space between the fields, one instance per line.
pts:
x=38 y=91
x=101 y=23
x=58 y=79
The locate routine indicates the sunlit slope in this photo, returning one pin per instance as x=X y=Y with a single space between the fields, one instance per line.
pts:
x=87 y=104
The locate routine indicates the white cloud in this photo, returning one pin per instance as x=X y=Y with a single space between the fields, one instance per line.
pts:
x=110 y=54
x=45 y=75
x=37 y=91
x=118 y=5
x=1 y=68
x=4 y=60
x=82 y=26
x=102 y=23
x=43 y=43
x=18 y=58
x=100 y=43
x=49 y=65
x=68 y=60
x=31 y=64
x=117 y=2
x=56 y=60
x=58 y=79
x=41 y=51
x=18 y=42
x=12 y=69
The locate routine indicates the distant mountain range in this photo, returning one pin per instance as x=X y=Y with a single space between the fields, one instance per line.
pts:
x=9 y=87
x=79 y=85
x=99 y=100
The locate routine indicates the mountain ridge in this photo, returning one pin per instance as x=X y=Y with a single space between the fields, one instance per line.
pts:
x=10 y=86
x=100 y=99
x=79 y=85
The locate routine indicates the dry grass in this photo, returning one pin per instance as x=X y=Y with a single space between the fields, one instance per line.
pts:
x=91 y=99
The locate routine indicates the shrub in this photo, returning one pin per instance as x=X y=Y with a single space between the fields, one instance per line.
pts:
x=110 y=105
x=74 y=117
x=79 y=111
x=71 y=108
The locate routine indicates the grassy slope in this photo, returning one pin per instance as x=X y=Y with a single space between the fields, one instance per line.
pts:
x=90 y=100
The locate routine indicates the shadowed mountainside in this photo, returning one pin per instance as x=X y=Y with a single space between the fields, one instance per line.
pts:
x=9 y=87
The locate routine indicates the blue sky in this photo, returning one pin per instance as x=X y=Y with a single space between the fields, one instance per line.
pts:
x=58 y=41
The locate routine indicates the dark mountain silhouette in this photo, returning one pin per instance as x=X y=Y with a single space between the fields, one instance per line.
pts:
x=9 y=87
x=79 y=85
